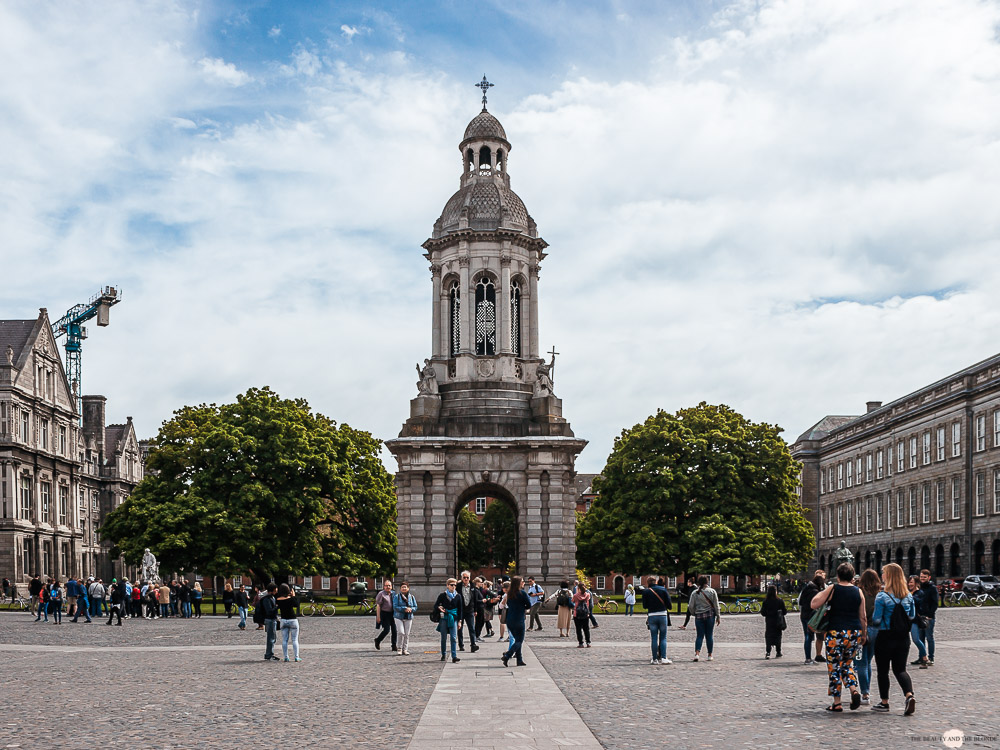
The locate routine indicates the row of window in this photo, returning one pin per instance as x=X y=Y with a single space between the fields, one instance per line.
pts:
x=24 y=549
x=913 y=452
x=907 y=507
x=46 y=512
x=48 y=437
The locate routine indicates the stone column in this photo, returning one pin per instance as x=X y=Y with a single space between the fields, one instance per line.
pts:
x=436 y=349
x=468 y=303
x=503 y=301
x=533 y=273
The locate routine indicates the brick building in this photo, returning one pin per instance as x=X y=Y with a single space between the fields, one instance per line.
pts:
x=58 y=476
x=915 y=481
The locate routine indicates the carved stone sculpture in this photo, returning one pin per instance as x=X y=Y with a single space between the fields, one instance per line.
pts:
x=150 y=568
x=427 y=385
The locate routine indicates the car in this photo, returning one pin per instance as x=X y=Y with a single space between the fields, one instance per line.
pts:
x=948 y=585
x=305 y=595
x=981 y=585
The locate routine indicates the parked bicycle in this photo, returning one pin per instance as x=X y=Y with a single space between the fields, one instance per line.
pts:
x=311 y=609
x=607 y=605
x=365 y=607
x=958 y=599
x=18 y=602
x=980 y=599
x=741 y=605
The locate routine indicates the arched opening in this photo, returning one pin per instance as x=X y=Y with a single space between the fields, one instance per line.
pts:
x=878 y=561
x=899 y=557
x=979 y=558
x=515 y=317
x=619 y=585
x=486 y=316
x=455 y=317
x=342 y=586
x=955 y=561
x=822 y=562
x=939 y=561
x=925 y=558
x=911 y=561
x=486 y=531
x=501 y=160
x=470 y=160
x=868 y=560
x=995 y=563
x=485 y=159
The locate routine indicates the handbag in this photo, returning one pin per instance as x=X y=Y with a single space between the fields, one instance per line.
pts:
x=435 y=616
x=781 y=621
x=820 y=620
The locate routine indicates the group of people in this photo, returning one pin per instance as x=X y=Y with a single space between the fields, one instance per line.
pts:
x=868 y=617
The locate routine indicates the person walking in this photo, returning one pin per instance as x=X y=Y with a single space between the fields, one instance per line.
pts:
x=817 y=584
x=472 y=601
x=927 y=609
x=894 y=611
x=384 y=617
x=581 y=615
x=564 y=608
x=72 y=592
x=43 y=601
x=268 y=607
x=630 y=600
x=870 y=586
x=242 y=602
x=82 y=604
x=35 y=587
x=490 y=600
x=450 y=606
x=536 y=594
x=56 y=602
x=916 y=631
x=404 y=606
x=704 y=603
x=656 y=601
x=845 y=632
x=228 y=597
x=502 y=613
x=117 y=601
x=287 y=604
x=197 y=594
x=518 y=604
x=774 y=611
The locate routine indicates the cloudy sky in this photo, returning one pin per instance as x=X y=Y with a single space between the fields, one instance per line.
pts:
x=790 y=207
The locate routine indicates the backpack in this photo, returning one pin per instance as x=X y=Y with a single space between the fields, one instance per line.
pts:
x=899 y=621
x=582 y=609
x=563 y=599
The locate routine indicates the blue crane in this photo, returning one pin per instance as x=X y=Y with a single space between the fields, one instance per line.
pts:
x=71 y=326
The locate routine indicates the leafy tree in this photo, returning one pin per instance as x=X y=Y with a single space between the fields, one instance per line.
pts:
x=473 y=553
x=500 y=528
x=264 y=486
x=703 y=489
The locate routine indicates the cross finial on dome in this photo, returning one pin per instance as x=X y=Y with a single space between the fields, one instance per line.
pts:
x=485 y=86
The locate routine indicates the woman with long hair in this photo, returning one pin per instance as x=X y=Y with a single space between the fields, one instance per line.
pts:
x=287 y=604
x=227 y=599
x=773 y=610
x=196 y=595
x=870 y=586
x=564 y=608
x=581 y=614
x=892 y=647
x=518 y=604
x=845 y=632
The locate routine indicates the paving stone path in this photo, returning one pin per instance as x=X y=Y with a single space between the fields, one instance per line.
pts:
x=203 y=683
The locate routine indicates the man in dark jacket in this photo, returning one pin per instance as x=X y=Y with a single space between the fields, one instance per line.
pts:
x=472 y=602
x=927 y=604
x=35 y=590
x=117 y=600
x=268 y=607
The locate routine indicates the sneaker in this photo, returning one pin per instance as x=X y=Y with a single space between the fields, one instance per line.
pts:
x=923 y=665
x=767 y=656
x=286 y=658
x=455 y=660
x=473 y=648
x=915 y=662
x=501 y=638
x=808 y=661
x=880 y=708
x=930 y=662
x=865 y=700
x=911 y=706
x=821 y=659
x=378 y=645
x=651 y=661
x=297 y=658
x=695 y=658
x=710 y=657
x=665 y=661
x=588 y=644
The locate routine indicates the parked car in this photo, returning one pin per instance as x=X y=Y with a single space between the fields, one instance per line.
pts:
x=981 y=585
x=948 y=585
x=304 y=595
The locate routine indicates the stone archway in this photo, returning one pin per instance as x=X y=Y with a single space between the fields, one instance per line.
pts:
x=925 y=558
x=496 y=493
x=979 y=558
x=955 y=564
x=619 y=585
x=939 y=561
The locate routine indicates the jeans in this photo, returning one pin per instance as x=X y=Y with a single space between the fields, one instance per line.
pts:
x=290 y=629
x=447 y=630
x=863 y=665
x=270 y=632
x=403 y=632
x=810 y=637
x=164 y=610
x=517 y=633
x=243 y=617
x=891 y=650
x=186 y=608
x=175 y=606
x=82 y=608
x=55 y=609
x=630 y=609
x=533 y=617
x=705 y=627
x=43 y=611
x=468 y=626
x=923 y=639
x=388 y=625
x=582 y=629
x=658 y=636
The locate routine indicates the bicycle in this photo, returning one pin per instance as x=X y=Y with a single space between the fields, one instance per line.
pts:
x=606 y=605
x=365 y=607
x=19 y=602
x=742 y=605
x=958 y=599
x=980 y=599
x=311 y=609
x=791 y=603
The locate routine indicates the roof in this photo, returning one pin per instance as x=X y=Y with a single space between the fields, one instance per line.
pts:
x=15 y=334
x=113 y=435
x=584 y=483
x=484 y=125
x=491 y=205
x=825 y=426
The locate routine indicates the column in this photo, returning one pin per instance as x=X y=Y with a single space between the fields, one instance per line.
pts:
x=503 y=302
x=532 y=349
x=436 y=316
x=468 y=303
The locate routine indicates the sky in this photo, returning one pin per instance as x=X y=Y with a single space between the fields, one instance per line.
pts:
x=786 y=206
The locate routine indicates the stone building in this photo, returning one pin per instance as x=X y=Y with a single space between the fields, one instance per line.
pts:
x=915 y=481
x=58 y=477
x=485 y=421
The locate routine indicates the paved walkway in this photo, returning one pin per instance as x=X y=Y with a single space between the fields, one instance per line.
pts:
x=482 y=704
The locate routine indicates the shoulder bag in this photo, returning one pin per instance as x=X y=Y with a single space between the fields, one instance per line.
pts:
x=820 y=621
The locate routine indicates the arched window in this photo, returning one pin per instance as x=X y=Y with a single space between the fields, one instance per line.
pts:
x=485 y=159
x=515 y=318
x=486 y=317
x=455 y=316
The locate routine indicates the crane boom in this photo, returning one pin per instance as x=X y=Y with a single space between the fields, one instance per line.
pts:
x=71 y=326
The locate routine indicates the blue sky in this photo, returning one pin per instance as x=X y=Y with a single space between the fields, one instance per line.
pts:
x=787 y=206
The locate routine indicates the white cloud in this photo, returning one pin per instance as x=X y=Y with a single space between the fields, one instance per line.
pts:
x=274 y=32
x=217 y=69
x=348 y=31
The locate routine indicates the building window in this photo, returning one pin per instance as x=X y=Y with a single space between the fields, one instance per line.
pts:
x=888 y=510
x=850 y=474
x=822 y=482
x=857 y=517
x=858 y=472
x=95 y=501
x=829 y=521
x=324 y=583
x=940 y=500
x=840 y=520
x=913 y=453
x=600 y=583
x=996 y=490
x=515 y=318
x=868 y=467
x=822 y=529
x=237 y=581
x=980 y=494
x=830 y=483
x=888 y=461
x=927 y=447
x=940 y=444
x=64 y=560
x=83 y=501
x=63 y=503
x=26 y=500
x=486 y=317
x=840 y=476
x=879 y=464
x=672 y=582
x=62 y=440
x=868 y=514
x=981 y=432
x=480 y=505
x=586 y=506
x=996 y=429
x=926 y=504
x=45 y=434
x=956 y=439
x=900 y=509
x=25 y=426
x=455 y=317
x=45 y=489
x=956 y=498
x=912 y=519
x=724 y=582
x=46 y=559
x=878 y=513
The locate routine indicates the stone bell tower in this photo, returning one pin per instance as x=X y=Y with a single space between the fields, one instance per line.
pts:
x=486 y=420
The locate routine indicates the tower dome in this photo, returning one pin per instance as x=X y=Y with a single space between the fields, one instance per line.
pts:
x=484 y=125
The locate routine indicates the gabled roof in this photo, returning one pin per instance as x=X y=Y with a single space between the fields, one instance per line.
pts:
x=824 y=427
x=584 y=483
x=15 y=334
x=113 y=435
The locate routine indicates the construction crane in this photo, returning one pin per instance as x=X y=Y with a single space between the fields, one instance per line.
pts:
x=71 y=326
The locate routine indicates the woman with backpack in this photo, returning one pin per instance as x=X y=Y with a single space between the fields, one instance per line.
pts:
x=55 y=602
x=581 y=614
x=564 y=608
x=844 y=634
x=773 y=610
x=704 y=603
x=893 y=616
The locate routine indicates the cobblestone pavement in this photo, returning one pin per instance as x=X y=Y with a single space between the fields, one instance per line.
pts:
x=204 y=682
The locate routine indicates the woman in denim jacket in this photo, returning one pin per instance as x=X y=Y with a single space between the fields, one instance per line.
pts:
x=404 y=606
x=892 y=648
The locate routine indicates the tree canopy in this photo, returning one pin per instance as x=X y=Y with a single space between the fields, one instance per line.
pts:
x=264 y=486
x=500 y=529
x=704 y=490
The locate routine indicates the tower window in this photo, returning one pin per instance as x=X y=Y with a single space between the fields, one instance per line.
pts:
x=486 y=317
x=455 y=310
x=485 y=159
x=515 y=318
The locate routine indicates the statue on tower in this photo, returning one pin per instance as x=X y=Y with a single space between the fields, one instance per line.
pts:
x=543 y=382
x=428 y=384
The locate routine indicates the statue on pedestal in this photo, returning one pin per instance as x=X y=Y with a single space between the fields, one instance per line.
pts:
x=543 y=382
x=842 y=555
x=428 y=384
x=150 y=568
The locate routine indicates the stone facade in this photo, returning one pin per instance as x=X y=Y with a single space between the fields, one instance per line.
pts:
x=58 y=477
x=486 y=420
x=915 y=482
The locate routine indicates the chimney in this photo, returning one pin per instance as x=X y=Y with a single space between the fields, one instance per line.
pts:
x=93 y=420
x=873 y=405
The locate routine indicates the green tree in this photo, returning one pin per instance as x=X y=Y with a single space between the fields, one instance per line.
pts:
x=704 y=489
x=473 y=553
x=264 y=486
x=500 y=528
